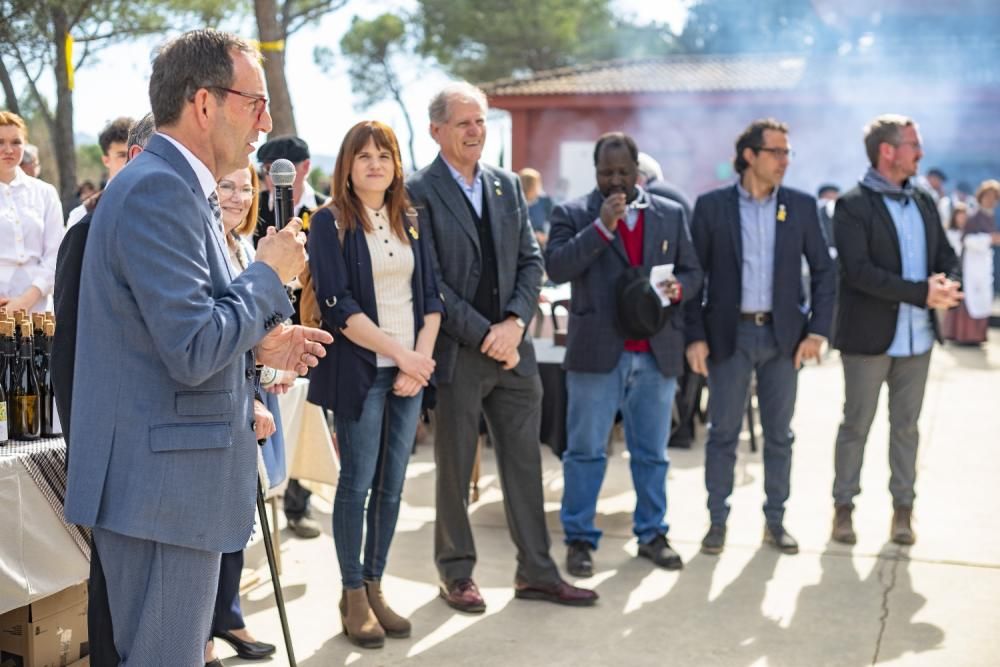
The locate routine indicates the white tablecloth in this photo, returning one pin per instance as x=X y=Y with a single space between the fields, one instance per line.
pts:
x=38 y=554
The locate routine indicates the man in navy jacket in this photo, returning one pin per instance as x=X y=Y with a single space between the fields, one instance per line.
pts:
x=593 y=240
x=755 y=317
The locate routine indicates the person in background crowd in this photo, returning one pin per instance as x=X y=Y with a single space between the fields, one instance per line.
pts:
x=30 y=222
x=167 y=488
x=113 y=141
x=65 y=297
x=489 y=272
x=933 y=182
x=959 y=217
x=826 y=199
x=690 y=385
x=30 y=164
x=595 y=239
x=298 y=513
x=968 y=322
x=375 y=284
x=239 y=200
x=750 y=238
x=895 y=266
x=651 y=179
x=539 y=203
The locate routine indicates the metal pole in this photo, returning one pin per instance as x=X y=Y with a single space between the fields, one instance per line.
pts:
x=278 y=597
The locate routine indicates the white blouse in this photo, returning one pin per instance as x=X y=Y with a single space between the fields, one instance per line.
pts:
x=31 y=229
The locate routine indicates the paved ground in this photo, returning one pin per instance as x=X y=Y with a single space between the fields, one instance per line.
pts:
x=932 y=604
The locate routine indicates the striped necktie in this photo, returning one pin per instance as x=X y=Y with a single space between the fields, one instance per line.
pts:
x=213 y=203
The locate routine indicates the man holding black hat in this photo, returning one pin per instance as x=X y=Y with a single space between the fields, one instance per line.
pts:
x=595 y=241
x=296 y=151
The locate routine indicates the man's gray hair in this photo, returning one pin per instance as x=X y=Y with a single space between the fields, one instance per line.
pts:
x=30 y=154
x=649 y=168
x=439 y=110
x=140 y=132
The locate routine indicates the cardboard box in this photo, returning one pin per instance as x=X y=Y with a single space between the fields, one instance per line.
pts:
x=51 y=632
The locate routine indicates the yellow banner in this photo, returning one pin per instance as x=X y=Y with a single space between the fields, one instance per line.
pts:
x=276 y=45
x=68 y=47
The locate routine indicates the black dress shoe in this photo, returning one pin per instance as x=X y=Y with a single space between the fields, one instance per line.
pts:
x=214 y=663
x=714 y=540
x=660 y=552
x=559 y=593
x=247 y=650
x=578 y=560
x=779 y=538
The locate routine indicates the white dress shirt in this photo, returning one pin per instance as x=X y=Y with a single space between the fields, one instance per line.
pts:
x=31 y=228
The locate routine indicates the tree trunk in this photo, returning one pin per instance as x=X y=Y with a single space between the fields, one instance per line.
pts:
x=8 y=89
x=269 y=30
x=62 y=137
x=397 y=94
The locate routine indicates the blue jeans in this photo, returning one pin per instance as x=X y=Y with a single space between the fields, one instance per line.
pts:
x=371 y=462
x=637 y=388
x=728 y=393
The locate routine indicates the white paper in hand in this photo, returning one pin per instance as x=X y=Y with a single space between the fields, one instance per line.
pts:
x=661 y=273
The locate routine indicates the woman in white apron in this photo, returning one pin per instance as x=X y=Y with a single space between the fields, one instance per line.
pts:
x=31 y=225
x=967 y=323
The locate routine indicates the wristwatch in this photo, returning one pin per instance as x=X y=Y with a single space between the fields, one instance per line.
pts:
x=519 y=322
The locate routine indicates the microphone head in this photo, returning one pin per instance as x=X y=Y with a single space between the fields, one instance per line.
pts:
x=282 y=173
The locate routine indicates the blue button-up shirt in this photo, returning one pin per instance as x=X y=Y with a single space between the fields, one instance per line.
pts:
x=914 y=334
x=474 y=192
x=757 y=228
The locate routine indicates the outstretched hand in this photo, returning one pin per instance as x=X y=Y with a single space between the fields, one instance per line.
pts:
x=293 y=348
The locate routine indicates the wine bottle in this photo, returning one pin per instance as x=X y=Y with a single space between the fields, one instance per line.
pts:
x=51 y=427
x=25 y=418
x=8 y=363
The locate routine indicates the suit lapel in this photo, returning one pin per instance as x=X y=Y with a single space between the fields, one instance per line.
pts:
x=882 y=213
x=594 y=210
x=493 y=194
x=731 y=214
x=453 y=198
x=931 y=238
x=782 y=234
x=652 y=237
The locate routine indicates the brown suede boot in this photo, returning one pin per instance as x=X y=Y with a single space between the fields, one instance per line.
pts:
x=843 y=527
x=395 y=625
x=359 y=622
x=902 y=531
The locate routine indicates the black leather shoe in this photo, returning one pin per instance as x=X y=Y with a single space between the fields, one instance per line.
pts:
x=779 y=538
x=214 y=663
x=578 y=560
x=247 y=650
x=714 y=540
x=659 y=551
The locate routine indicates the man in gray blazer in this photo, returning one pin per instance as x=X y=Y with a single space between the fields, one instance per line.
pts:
x=593 y=241
x=164 y=460
x=490 y=272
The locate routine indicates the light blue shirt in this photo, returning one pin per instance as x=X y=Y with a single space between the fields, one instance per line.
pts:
x=757 y=228
x=474 y=192
x=914 y=334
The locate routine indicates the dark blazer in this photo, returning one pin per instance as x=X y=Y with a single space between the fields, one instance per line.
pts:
x=715 y=315
x=871 y=282
x=576 y=251
x=454 y=244
x=65 y=298
x=342 y=278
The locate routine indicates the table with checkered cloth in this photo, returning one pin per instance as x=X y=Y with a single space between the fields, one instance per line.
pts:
x=39 y=553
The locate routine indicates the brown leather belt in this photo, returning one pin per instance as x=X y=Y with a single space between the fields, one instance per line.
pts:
x=759 y=319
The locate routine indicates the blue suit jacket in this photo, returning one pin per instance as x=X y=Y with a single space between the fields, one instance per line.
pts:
x=576 y=251
x=715 y=229
x=342 y=278
x=163 y=443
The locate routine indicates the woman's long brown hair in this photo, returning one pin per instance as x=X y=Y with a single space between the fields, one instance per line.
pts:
x=349 y=209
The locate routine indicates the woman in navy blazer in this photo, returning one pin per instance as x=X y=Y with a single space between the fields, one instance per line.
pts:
x=378 y=296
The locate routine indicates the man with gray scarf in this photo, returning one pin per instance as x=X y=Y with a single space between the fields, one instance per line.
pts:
x=896 y=265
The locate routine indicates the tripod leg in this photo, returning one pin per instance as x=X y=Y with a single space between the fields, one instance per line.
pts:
x=279 y=599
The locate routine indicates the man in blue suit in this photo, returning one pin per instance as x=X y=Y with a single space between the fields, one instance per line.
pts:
x=594 y=241
x=754 y=316
x=164 y=461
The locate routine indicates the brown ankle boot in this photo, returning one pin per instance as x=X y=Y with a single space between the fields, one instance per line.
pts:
x=843 y=527
x=902 y=531
x=359 y=622
x=395 y=626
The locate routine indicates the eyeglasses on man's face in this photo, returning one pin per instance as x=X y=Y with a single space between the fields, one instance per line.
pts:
x=227 y=189
x=259 y=101
x=780 y=153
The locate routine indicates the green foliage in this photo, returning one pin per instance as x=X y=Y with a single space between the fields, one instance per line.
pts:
x=318 y=179
x=370 y=47
x=88 y=163
x=483 y=41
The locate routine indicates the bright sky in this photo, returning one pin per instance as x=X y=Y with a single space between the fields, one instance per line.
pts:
x=116 y=83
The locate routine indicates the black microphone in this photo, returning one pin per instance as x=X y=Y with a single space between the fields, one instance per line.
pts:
x=283 y=176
